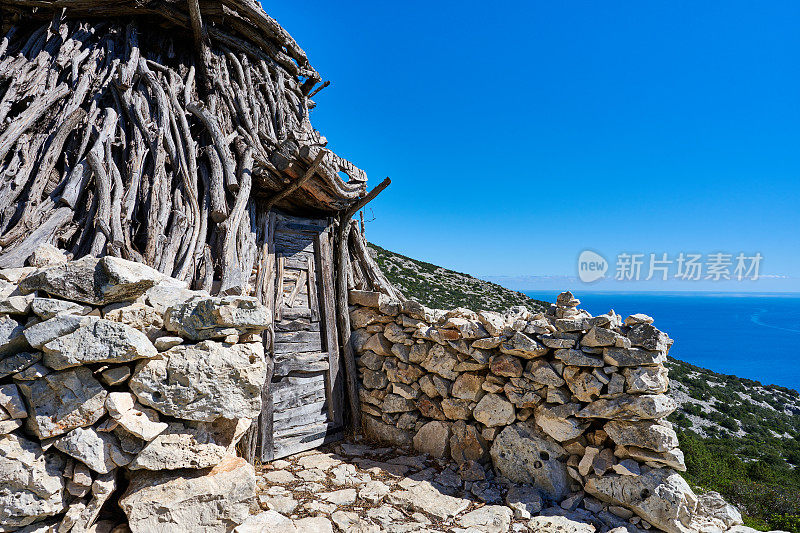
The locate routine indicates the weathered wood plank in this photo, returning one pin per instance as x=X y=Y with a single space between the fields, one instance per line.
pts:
x=297 y=336
x=294 y=313
x=298 y=284
x=297 y=325
x=309 y=345
x=334 y=382
x=313 y=302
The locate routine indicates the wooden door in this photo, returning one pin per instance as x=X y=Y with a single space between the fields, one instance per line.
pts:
x=305 y=397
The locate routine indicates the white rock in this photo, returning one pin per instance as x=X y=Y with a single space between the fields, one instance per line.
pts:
x=62 y=401
x=102 y=341
x=191 y=445
x=660 y=496
x=494 y=410
x=204 y=382
x=47 y=255
x=524 y=454
x=212 y=501
x=11 y=401
x=489 y=519
x=32 y=486
x=94 y=281
x=98 y=450
x=135 y=419
x=206 y=317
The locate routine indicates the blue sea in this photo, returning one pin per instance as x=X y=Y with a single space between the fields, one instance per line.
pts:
x=754 y=336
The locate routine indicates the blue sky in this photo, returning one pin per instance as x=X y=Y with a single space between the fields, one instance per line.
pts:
x=518 y=134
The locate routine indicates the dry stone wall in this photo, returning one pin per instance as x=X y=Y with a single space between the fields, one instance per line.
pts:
x=562 y=401
x=118 y=382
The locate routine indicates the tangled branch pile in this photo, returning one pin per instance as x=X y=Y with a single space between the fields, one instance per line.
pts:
x=153 y=131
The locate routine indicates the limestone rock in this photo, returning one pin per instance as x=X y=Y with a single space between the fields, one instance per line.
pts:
x=648 y=435
x=32 y=486
x=98 y=450
x=47 y=255
x=648 y=337
x=523 y=346
x=488 y=519
x=101 y=341
x=544 y=373
x=93 y=281
x=494 y=410
x=434 y=439
x=660 y=496
x=630 y=407
x=712 y=505
x=467 y=386
x=524 y=500
x=441 y=361
x=205 y=317
x=646 y=380
x=11 y=401
x=18 y=362
x=578 y=358
x=523 y=454
x=467 y=443
x=456 y=409
x=506 y=366
x=204 y=381
x=633 y=357
x=47 y=308
x=672 y=458
x=559 y=421
x=11 y=340
x=215 y=500
x=133 y=418
x=115 y=375
x=426 y=498
x=598 y=336
x=493 y=322
x=376 y=429
x=559 y=524
x=62 y=401
x=638 y=318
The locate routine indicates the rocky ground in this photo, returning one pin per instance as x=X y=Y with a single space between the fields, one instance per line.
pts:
x=362 y=488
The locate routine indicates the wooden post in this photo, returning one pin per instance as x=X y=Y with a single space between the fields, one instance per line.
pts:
x=342 y=308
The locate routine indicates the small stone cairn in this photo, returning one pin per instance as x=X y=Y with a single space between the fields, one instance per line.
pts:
x=567 y=403
x=116 y=380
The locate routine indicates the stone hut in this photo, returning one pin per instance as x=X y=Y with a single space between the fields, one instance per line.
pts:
x=181 y=283
x=177 y=135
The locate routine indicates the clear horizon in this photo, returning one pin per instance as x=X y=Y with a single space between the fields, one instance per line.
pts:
x=625 y=127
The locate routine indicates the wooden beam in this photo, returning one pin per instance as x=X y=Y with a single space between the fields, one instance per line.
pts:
x=297 y=184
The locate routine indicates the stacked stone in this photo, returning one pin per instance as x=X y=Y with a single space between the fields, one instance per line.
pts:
x=110 y=371
x=561 y=400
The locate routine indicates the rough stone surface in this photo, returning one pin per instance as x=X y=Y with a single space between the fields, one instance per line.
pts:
x=93 y=281
x=494 y=410
x=203 y=382
x=31 y=482
x=190 y=445
x=215 y=500
x=523 y=454
x=204 y=317
x=100 y=451
x=63 y=401
x=661 y=496
x=642 y=434
x=434 y=439
x=102 y=341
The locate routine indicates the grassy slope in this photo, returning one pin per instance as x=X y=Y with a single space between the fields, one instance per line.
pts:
x=740 y=437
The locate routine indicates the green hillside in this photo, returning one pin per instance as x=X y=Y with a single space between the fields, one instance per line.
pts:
x=740 y=438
